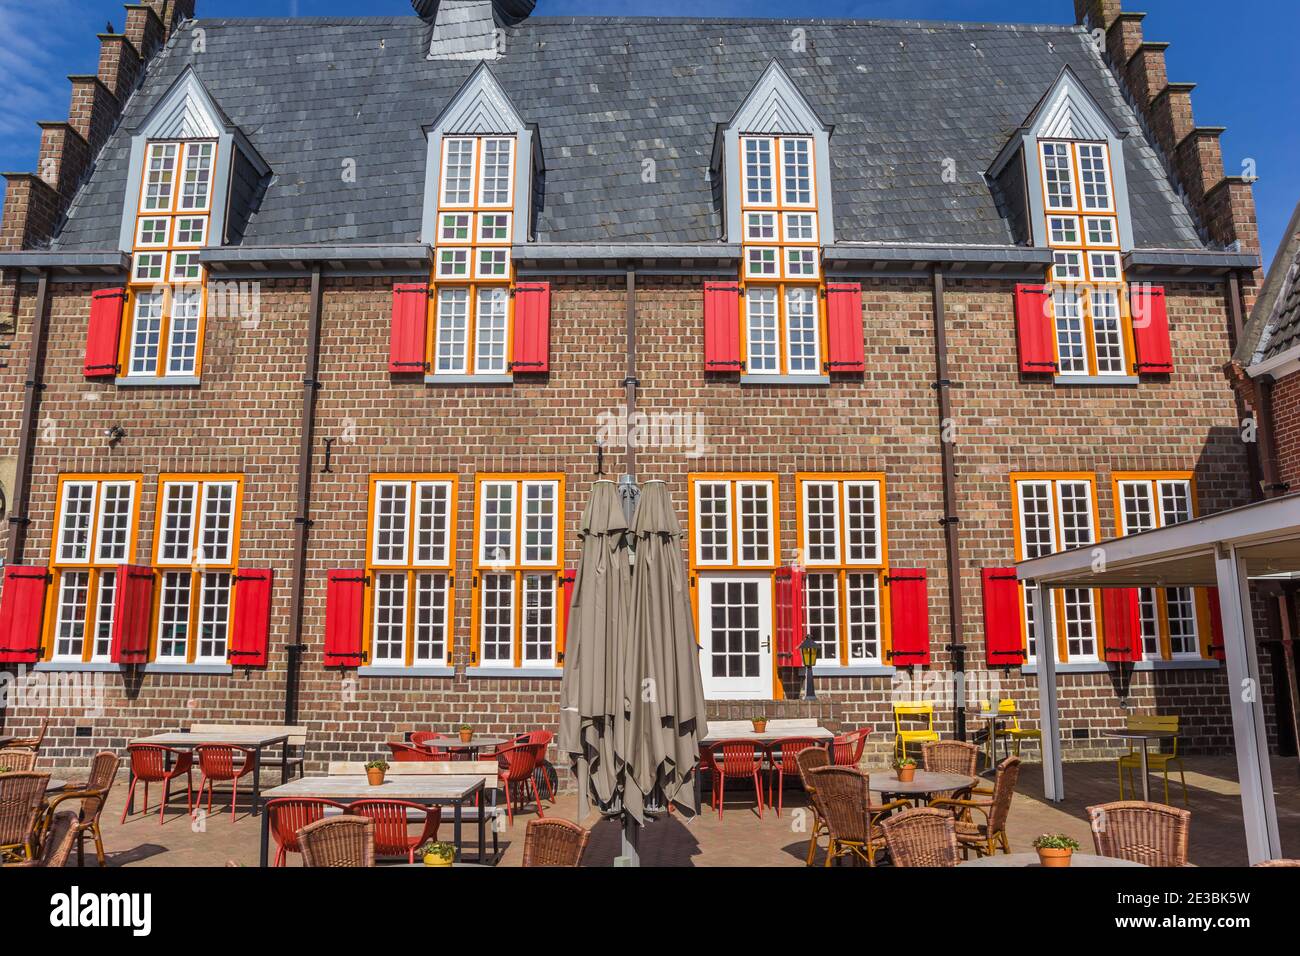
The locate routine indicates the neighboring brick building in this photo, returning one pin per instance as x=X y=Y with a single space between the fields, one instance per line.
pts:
x=323 y=327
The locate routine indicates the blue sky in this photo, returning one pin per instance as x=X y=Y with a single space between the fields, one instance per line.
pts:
x=1241 y=55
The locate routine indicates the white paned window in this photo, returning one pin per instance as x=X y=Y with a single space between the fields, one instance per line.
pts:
x=1071 y=345
x=759 y=175
x=160 y=176
x=1107 y=332
x=458 y=172
x=497 y=521
x=1094 y=177
x=800 y=226
x=761 y=262
x=713 y=522
x=754 y=518
x=1100 y=231
x=1146 y=503
x=734 y=522
x=494 y=187
x=801 y=262
x=453 y=329
x=1057 y=514
x=491 y=328
x=1058 y=175
x=762 y=345
x=796 y=171
x=196 y=184
x=1063 y=230
x=760 y=227
x=493 y=264
x=456 y=227
x=801 y=321
x=494 y=227
x=453 y=263
x=153 y=231
x=183 y=334
x=821 y=522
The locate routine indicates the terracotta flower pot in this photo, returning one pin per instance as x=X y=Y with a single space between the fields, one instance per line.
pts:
x=905 y=774
x=1049 y=856
x=466 y=736
x=435 y=859
x=759 y=726
x=376 y=777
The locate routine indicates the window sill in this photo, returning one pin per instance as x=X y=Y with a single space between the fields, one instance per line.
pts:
x=386 y=670
x=514 y=673
x=157 y=381
x=469 y=380
x=854 y=670
x=1124 y=381
x=1101 y=667
x=809 y=380
x=108 y=667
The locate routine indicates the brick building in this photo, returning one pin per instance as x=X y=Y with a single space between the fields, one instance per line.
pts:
x=323 y=329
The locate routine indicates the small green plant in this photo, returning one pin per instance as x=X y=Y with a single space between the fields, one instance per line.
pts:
x=5 y=769
x=432 y=847
x=1055 y=841
x=759 y=718
x=466 y=726
x=377 y=764
x=905 y=762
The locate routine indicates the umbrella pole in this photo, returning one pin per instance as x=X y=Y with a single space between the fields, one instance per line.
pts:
x=631 y=855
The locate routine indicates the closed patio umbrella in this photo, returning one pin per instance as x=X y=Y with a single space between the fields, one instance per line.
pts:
x=658 y=739
x=591 y=693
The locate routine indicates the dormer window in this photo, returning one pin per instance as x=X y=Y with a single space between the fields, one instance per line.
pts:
x=779 y=242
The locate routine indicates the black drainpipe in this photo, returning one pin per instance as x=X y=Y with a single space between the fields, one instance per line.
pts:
x=942 y=386
x=630 y=382
x=302 y=517
x=18 y=519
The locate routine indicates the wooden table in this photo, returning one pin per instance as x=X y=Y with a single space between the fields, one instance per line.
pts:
x=188 y=740
x=993 y=719
x=765 y=739
x=1031 y=859
x=923 y=784
x=425 y=789
x=1141 y=736
x=5 y=741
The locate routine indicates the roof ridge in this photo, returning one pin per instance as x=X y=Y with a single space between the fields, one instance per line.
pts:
x=543 y=20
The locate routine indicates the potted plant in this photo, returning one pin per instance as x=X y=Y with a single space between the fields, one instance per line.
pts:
x=1055 y=849
x=434 y=853
x=760 y=723
x=375 y=771
x=466 y=733
x=906 y=768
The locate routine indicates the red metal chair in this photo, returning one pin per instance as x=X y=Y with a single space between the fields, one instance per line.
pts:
x=288 y=815
x=782 y=759
x=406 y=752
x=391 y=818
x=544 y=776
x=217 y=763
x=516 y=765
x=846 y=749
x=426 y=740
x=149 y=764
x=738 y=760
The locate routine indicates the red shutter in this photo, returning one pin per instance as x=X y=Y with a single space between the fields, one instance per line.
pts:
x=532 y=352
x=1216 y=624
x=406 y=341
x=22 y=607
x=1150 y=329
x=1121 y=625
x=133 y=606
x=844 y=327
x=909 y=612
x=566 y=583
x=1034 y=329
x=1003 y=641
x=344 y=595
x=248 y=639
x=790 y=620
x=722 y=327
x=102 y=332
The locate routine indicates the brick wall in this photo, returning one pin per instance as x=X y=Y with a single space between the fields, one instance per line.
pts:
x=244 y=419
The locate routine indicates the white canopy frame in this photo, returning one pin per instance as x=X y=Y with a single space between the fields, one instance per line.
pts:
x=1226 y=550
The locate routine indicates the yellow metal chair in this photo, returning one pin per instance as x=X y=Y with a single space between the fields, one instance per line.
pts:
x=1015 y=732
x=917 y=711
x=1155 y=761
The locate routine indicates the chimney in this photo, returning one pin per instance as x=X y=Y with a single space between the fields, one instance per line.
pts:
x=35 y=202
x=469 y=29
x=1223 y=205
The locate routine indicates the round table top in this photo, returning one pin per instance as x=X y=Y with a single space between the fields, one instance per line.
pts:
x=422 y=866
x=55 y=784
x=1031 y=859
x=992 y=715
x=925 y=781
x=475 y=743
x=1139 y=734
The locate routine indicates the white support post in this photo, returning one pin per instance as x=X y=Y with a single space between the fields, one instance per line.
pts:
x=1258 y=810
x=1049 y=719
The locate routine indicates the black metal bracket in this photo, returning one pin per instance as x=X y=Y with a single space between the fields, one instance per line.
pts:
x=511 y=366
x=600 y=458
x=313 y=382
x=305 y=522
x=949 y=519
x=329 y=451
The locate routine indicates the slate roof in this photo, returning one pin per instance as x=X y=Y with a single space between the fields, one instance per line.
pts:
x=606 y=93
x=1274 y=325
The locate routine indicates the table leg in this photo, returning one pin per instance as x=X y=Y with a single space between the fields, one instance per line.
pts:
x=257 y=780
x=284 y=761
x=482 y=826
x=266 y=833
x=1146 y=784
x=457 y=827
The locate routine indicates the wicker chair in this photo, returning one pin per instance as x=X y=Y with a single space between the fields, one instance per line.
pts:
x=1149 y=833
x=22 y=798
x=952 y=756
x=93 y=795
x=809 y=760
x=921 y=837
x=986 y=837
x=56 y=843
x=31 y=743
x=554 y=843
x=339 y=841
x=14 y=760
x=1278 y=863
x=843 y=798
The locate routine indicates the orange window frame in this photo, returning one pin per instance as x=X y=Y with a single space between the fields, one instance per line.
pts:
x=472 y=282
x=517 y=567
x=410 y=567
x=92 y=564
x=1201 y=595
x=196 y=568
x=842 y=568
x=1053 y=479
x=166 y=285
